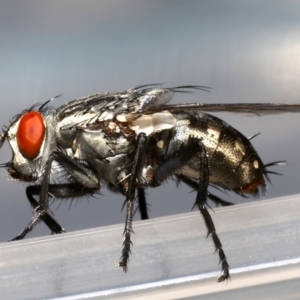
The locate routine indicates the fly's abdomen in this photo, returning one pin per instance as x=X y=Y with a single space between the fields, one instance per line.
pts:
x=234 y=164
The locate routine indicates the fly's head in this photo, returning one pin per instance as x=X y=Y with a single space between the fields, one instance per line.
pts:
x=29 y=136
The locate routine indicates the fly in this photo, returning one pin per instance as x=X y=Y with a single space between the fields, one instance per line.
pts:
x=130 y=141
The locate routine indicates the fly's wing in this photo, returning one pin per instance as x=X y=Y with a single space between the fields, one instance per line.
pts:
x=257 y=109
x=152 y=97
x=157 y=103
x=149 y=99
x=106 y=106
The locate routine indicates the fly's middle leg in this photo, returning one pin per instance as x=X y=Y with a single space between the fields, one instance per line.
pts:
x=139 y=153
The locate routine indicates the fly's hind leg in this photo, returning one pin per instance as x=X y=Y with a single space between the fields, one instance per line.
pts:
x=194 y=185
x=200 y=203
x=178 y=160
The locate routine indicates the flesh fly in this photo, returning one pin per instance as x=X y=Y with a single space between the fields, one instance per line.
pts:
x=130 y=141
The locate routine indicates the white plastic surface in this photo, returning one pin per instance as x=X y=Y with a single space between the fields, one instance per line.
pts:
x=166 y=251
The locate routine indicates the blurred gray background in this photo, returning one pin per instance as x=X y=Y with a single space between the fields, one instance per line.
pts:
x=247 y=51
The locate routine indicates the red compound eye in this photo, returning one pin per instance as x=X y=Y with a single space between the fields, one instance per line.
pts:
x=30 y=134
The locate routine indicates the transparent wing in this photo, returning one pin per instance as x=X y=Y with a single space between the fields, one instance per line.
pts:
x=258 y=109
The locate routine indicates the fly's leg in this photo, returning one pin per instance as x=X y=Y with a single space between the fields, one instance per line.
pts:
x=52 y=224
x=194 y=185
x=38 y=215
x=57 y=191
x=142 y=204
x=130 y=194
x=177 y=161
x=79 y=172
x=141 y=197
x=41 y=210
x=200 y=202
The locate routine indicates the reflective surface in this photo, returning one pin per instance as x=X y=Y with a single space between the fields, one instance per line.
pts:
x=171 y=256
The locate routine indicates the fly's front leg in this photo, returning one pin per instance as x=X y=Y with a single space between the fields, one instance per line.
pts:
x=79 y=172
x=130 y=195
x=52 y=224
x=177 y=161
x=41 y=210
x=57 y=191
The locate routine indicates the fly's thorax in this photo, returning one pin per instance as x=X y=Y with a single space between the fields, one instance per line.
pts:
x=31 y=138
x=67 y=127
x=102 y=141
x=111 y=169
x=105 y=147
x=91 y=143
